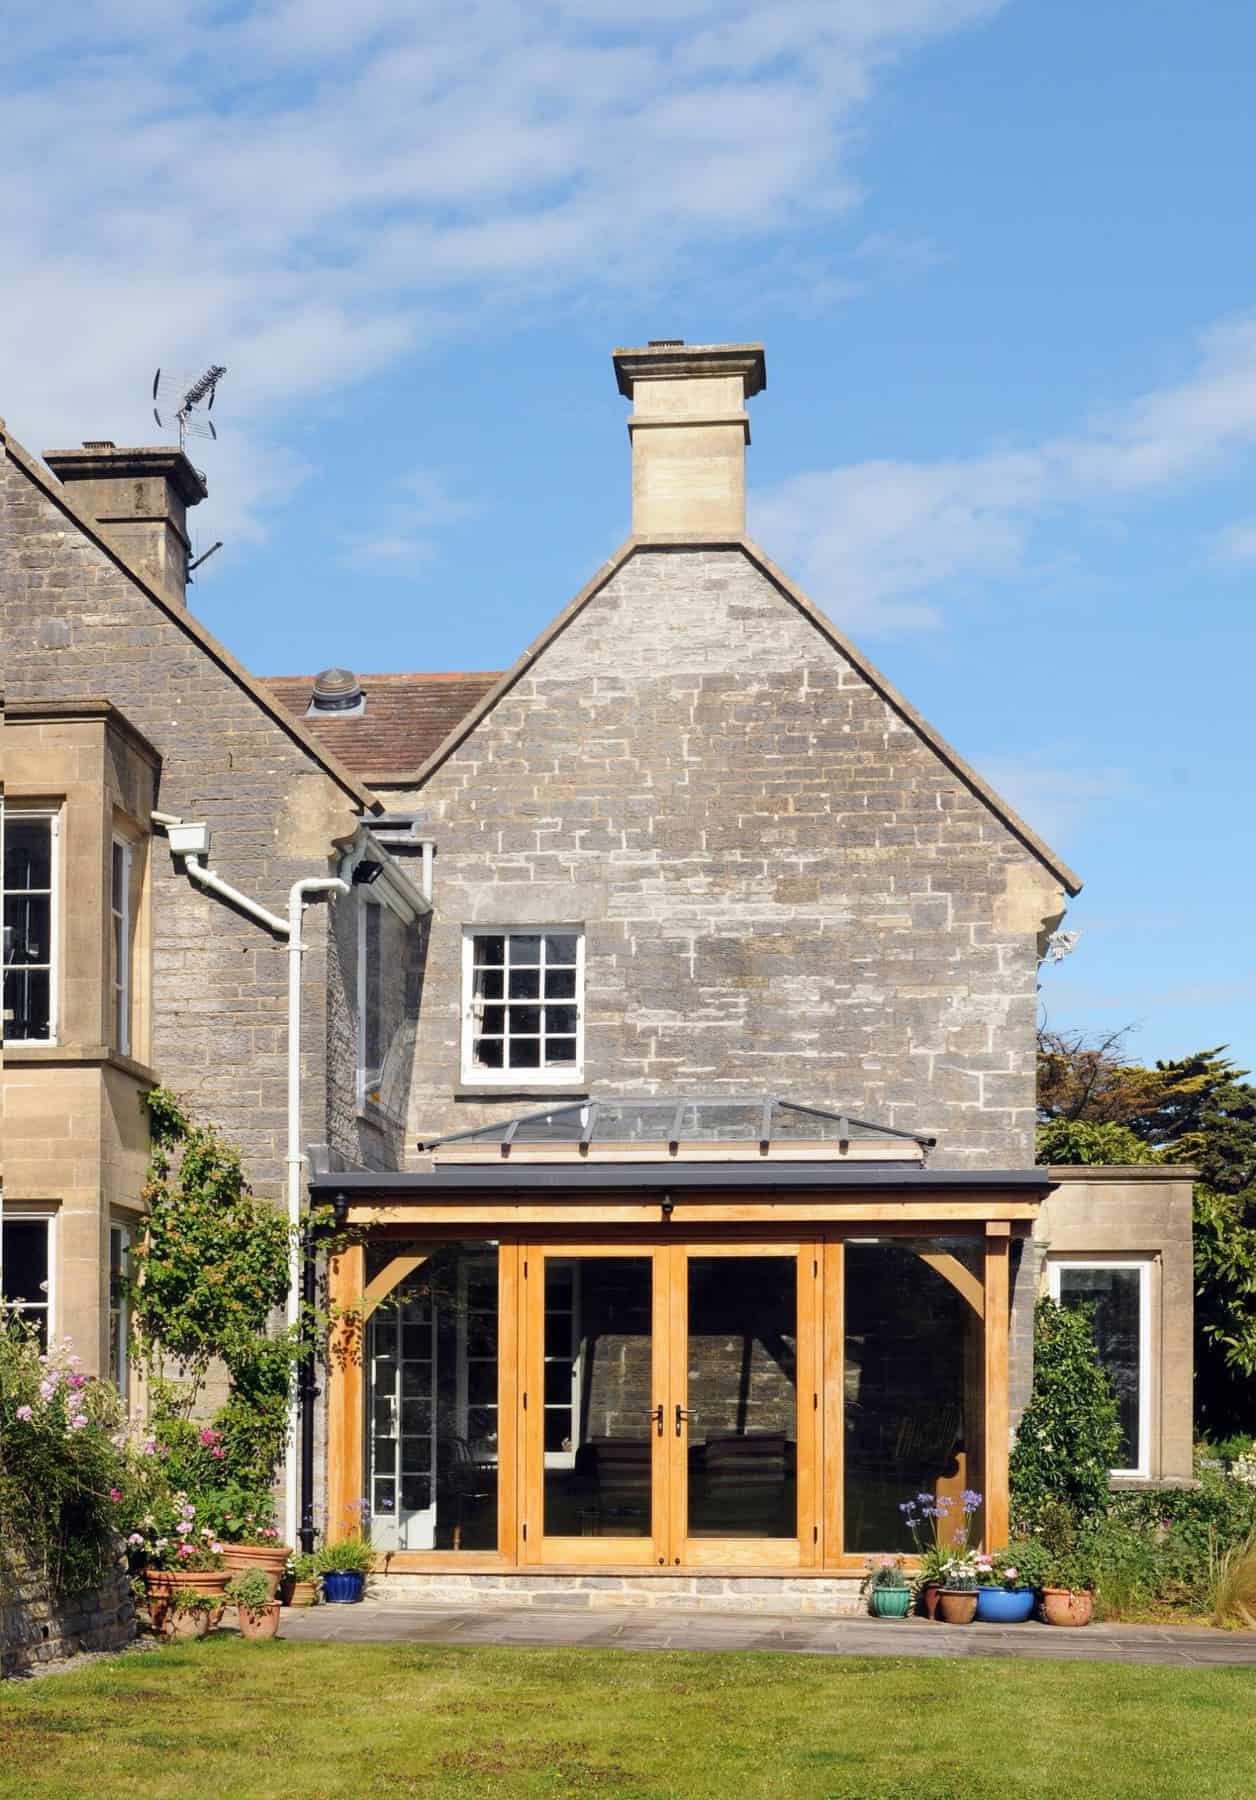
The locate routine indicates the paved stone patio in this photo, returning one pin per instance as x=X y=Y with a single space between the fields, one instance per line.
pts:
x=546 y=1627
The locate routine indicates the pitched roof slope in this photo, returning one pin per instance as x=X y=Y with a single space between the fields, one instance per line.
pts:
x=68 y=502
x=406 y=717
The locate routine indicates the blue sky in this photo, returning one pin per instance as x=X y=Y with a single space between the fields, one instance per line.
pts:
x=1002 y=259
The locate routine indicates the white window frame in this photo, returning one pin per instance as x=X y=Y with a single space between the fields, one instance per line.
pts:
x=33 y=1215
x=547 y=1075
x=120 y=1323
x=120 y=946
x=1144 y=1265
x=364 y=1074
x=10 y=815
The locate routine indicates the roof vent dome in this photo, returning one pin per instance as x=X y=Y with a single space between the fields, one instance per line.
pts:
x=336 y=691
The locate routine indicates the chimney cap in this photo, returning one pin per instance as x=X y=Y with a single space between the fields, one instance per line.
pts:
x=100 y=460
x=671 y=359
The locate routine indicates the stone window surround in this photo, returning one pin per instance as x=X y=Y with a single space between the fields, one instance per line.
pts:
x=28 y=1212
x=552 y=1078
x=1145 y=1265
x=51 y=812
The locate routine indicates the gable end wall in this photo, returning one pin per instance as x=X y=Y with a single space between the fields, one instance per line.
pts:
x=784 y=888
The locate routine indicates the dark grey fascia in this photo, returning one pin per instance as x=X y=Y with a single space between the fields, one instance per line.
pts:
x=560 y=1180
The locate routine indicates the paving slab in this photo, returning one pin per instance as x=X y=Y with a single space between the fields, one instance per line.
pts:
x=395 y=1622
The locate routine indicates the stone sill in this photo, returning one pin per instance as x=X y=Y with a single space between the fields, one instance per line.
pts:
x=469 y=1091
x=1156 y=1484
x=78 y=1056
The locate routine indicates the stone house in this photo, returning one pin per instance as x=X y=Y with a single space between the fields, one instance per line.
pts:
x=670 y=1044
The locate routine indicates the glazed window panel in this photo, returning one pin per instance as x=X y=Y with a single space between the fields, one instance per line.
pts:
x=523 y=1003
x=1117 y=1297
x=29 y=927
x=26 y=1271
x=388 y=995
x=432 y=1400
x=914 y=1378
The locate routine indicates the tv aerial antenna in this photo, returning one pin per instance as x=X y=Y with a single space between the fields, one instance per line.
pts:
x=188 y=402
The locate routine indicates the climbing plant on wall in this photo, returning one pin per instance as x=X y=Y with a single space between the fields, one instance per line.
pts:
x=209 y=1274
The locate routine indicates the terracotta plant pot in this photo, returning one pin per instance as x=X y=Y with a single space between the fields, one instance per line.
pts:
x=957 y=1606
x=162 y=1585
x=271 y=1559
x=262 y=1624
x=304 y=1593
x=928 y=1601
x=1061 y=1606
x=195 y=1624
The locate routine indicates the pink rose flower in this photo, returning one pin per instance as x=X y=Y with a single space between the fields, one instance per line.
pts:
x=135 y=1539
x=78 y=1421
x=25 y=1414
x=185 y=1550
x=218 y=1452
x=115 y=1493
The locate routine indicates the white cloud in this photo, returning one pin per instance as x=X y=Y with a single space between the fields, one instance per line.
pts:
x=405 y=534
x=308 y=190
x=1235 y=546
x=883 y=545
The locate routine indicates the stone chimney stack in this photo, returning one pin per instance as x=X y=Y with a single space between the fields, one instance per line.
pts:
x=139 y=498
x=689 y=430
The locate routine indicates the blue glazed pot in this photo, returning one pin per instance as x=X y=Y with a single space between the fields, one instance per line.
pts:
x=343 y=1586
x=891 y=1602
x=1004 y=1606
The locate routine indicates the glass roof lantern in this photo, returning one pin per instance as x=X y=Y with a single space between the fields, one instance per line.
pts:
x=706 y=1127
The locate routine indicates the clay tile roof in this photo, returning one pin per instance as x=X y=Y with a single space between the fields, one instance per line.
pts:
x=405 y=717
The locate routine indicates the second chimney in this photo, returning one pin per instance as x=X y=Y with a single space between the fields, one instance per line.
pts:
x=689 y=430
x=139 y=498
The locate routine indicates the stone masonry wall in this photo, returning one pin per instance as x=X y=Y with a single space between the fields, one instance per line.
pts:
x=35 y=1628
x=72 y=624
x=783 y=887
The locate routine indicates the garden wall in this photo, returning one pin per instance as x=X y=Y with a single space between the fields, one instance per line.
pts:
x=35 y=1628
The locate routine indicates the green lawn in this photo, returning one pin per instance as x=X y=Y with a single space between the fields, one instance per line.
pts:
x=229 y=1720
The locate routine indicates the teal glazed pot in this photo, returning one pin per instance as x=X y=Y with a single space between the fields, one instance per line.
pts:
x=1004 y=1606
x=891 y=1602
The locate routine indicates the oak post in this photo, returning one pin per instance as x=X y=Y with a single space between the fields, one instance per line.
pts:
x=997 y=1407
x=345 y=1446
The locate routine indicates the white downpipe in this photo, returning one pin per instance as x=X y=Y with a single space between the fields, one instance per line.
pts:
x=297 y=895
x=206 y=878
x=289 y=928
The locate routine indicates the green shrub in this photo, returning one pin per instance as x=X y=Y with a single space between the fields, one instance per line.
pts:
x=1091 y=1141
x=1069 y=1435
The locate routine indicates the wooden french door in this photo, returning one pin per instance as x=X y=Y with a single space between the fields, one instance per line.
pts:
x=669 y=1404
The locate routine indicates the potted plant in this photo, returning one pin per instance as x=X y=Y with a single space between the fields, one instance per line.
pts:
x=939 y=1536
x=251 y=1540
x=929 y=1578
x=344 y=1567
x=1008 y=1583
x=887 y=1588
x=176 y=1555
x=1068 y=1589
x=957 y=1603
x=301 y=1583
x=256 y=1606
x=193 y=1614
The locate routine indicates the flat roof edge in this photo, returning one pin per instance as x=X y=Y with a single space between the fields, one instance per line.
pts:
x=556 y=1179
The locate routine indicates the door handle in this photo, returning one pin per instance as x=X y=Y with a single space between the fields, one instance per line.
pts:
x=681 y=1413
x=656 y=1414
